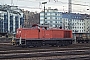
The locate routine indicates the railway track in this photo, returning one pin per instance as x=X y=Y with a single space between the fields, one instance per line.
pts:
x=72 y=52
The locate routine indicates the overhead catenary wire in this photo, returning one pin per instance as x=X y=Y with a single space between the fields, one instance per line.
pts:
x=29 y=7
x=70 y=5
x=65 y=3
x=39 y=7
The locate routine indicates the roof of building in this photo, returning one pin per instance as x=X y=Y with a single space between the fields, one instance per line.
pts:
x=75 y=16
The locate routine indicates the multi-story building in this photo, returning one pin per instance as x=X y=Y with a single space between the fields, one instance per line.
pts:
x=73 y=21
x=52 y=17
x=87 y=24
x=30 y=18
x=76 y=22
x=11 y=18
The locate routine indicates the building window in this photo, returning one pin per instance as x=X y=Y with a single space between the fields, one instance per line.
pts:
x=41 y=14
x=48 y=17
x=41 y=17
x=48 y=13
x=48 y=21
x=55 y=17
x=45 y=17
x=45 y=13
x=55 y=13
x=53 y=21
x=53 y=25
x=52 y=13
x=41 y=22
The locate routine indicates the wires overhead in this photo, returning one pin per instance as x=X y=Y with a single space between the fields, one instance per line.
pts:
x=53 y=0
x=30 y=7
x=60 y=4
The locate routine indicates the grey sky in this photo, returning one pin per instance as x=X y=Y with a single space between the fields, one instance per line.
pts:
x=62 y=5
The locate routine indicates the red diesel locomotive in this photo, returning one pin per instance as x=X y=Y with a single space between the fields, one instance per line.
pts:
x=43 y=37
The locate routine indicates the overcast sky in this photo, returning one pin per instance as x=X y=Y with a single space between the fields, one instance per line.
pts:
x=62 y=5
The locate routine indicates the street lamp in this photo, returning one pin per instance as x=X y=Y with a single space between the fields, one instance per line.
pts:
x=44 y=11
